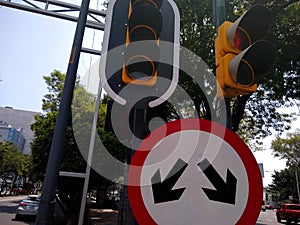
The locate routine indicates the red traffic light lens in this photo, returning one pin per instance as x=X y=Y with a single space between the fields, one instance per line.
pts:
x=241 y=39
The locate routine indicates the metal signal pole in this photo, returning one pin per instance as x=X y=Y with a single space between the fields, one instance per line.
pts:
x=46 y=209
x=219 y=18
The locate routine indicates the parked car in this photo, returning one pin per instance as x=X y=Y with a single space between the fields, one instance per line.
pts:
x=28 y=207
x=289 y=213
x=269 y=207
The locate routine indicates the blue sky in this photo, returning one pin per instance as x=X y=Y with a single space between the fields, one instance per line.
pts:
x=32 y=46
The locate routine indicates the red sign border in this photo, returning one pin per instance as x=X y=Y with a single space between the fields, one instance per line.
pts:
x=253 y=207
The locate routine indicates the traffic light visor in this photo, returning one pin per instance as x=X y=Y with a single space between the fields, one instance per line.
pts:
x=156 y=3
x=250 y=65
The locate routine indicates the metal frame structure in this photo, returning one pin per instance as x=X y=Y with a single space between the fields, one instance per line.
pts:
x=60 y=10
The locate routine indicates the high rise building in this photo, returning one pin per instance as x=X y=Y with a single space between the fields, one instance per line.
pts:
x=15 y=126
x=7 y=132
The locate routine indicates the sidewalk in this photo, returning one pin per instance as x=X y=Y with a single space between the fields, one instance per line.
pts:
x=102 y=216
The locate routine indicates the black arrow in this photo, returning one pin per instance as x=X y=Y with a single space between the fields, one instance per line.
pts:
x=225 y=191
x=162 y=190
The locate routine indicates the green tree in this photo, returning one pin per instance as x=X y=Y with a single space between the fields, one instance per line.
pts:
x=14 y=165
x=74 y=152
x=284 y=182
x=253 y=115
x=13 y=160
x=69 y=189
x=288 y=148
x=284 y=185
x=43 y=132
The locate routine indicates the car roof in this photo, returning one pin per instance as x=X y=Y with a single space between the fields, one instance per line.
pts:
x=36 y=196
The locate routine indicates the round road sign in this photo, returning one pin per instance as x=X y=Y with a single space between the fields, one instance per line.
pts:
x=194 y=172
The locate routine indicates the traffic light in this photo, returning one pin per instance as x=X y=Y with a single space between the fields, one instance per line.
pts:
x=141 y=60
x=242 y=57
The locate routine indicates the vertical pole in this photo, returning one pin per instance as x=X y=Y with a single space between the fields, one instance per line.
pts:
x=218 y=12
x=219 y=18
x=89 y=160
x=139 y=120
x=46 y=209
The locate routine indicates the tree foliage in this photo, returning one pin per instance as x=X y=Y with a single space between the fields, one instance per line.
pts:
x=288 y=148
x=255 y=115
x=284 y=185
x=12 y=160
x=44 y=128
x=75 y=150
x=14 y=167
x=284 y=182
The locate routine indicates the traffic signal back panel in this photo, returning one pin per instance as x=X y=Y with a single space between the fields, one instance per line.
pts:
x=128 y=62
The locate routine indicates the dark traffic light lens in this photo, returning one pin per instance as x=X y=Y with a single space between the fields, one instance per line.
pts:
x=141 y=60
x=241 y=39
x=142 y=32
x=145 y=23
x=245 y=74
x=140 y=68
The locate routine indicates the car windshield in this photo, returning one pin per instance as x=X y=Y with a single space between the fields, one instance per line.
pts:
x=294 y=207
x=33 y=198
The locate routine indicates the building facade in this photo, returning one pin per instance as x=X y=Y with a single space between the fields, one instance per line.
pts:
x=15 y=126
x=7 y=132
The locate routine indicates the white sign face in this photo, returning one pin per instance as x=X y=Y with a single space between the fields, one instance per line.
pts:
x=194 y=147
x=195 y=177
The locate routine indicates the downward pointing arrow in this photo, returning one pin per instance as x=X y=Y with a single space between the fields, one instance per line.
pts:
x=162 y=190
x=225 y=191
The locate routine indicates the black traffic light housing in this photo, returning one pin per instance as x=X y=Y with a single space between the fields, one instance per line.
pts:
x=140 y=53
x=144 y=24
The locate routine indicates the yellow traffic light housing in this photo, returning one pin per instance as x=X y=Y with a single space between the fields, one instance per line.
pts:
x=140 y=63
x=242 y=58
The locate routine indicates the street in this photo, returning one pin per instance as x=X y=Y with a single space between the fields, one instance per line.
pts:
x=8 y=207
x=267 y=218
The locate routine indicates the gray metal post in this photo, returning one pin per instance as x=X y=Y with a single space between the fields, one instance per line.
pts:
x=218 y=12
x=90 y=156
x=219 y=18
x=139 y=125
x=45 y=213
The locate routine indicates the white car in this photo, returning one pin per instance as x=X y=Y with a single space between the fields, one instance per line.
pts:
x=28 y=207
